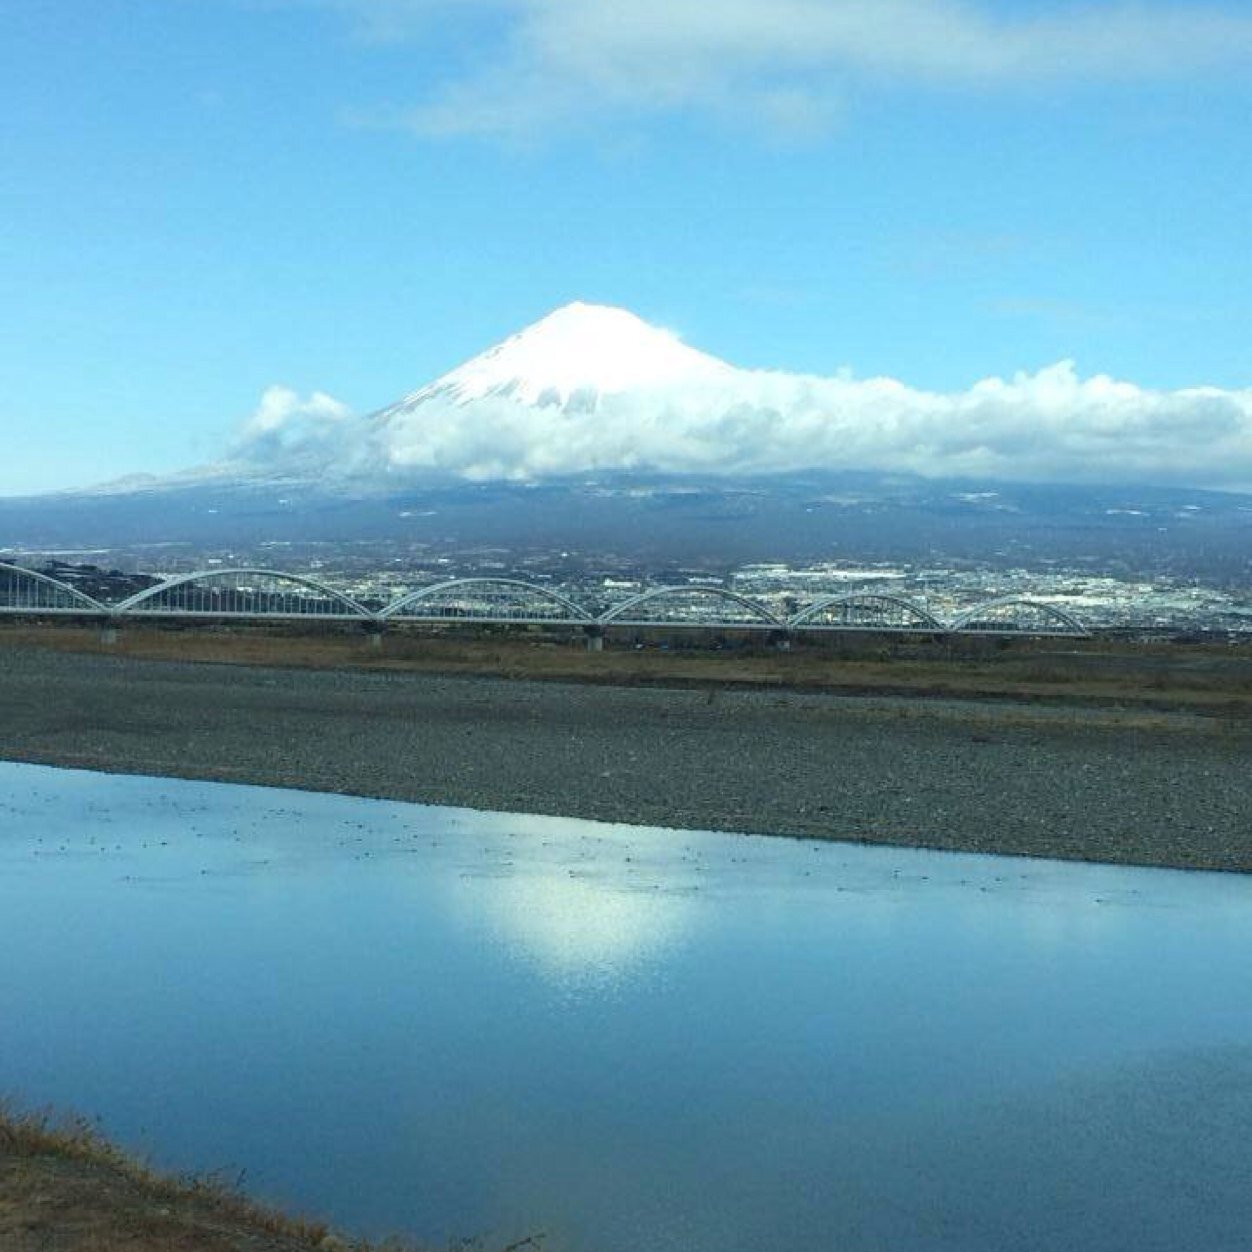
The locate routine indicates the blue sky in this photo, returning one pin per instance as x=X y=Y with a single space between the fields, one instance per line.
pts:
x=204 y=198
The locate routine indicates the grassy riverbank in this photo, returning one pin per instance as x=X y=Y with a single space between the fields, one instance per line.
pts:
x=64 y=1188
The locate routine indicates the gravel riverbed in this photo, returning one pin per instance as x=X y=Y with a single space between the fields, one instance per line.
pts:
x=1062 y=781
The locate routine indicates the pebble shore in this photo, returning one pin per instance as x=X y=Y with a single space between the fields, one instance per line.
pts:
x=1068 y=782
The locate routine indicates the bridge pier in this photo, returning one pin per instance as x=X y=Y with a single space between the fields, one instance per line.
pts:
x=108 y=634
x=374 y=637
x=594 y=638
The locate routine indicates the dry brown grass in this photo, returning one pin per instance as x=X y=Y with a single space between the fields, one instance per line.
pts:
x=65 y=1188
x=1215 y=680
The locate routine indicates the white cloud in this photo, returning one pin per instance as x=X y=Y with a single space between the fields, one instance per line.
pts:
x=1053 y=425
x=284 y=422
x=784 y=63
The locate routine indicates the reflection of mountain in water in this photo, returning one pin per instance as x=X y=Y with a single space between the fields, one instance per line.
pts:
x=595 y=923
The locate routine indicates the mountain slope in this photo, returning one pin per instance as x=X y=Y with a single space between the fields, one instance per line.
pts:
x=655 y=525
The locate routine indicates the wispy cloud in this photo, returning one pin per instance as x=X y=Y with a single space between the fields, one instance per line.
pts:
x=783 y=64
x=1066 y=315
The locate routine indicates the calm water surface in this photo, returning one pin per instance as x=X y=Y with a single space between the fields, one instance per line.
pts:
x=452 y=1024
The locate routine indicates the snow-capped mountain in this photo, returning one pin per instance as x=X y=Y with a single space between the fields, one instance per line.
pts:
x=590 y=389
x=574 y=355
x=594 y=432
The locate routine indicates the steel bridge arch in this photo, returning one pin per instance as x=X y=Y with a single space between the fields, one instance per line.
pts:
x=575 y=614
x=926 y=619
x=623 y=614
x=134 y=604
x=964 y=619
x=82 y=602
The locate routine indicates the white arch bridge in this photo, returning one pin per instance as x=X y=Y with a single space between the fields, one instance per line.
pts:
x=260 y=595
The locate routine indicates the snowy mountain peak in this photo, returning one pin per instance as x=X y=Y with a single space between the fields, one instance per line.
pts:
x=580 y=349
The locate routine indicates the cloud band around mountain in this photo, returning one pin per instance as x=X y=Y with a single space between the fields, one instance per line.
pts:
x=1049 y=426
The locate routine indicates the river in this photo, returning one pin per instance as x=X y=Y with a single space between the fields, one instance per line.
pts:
x=453 y=1024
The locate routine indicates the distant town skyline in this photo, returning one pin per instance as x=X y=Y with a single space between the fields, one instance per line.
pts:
x=346 y=198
